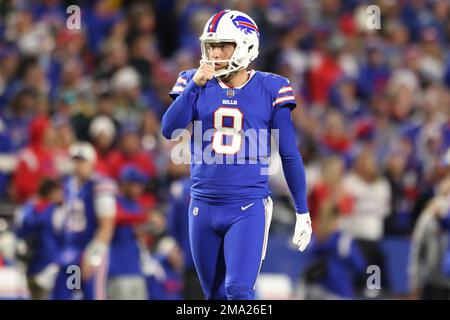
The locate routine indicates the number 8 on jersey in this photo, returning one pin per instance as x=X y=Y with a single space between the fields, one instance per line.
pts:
x=222 y=130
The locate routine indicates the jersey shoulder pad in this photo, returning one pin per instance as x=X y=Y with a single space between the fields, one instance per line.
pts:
x=104 y=185
x=183 y=78
x=280 y=88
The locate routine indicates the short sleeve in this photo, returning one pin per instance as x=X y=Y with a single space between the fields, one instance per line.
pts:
x=180 y=84
x=105 y=192
x=105 y=186
x=284 y=94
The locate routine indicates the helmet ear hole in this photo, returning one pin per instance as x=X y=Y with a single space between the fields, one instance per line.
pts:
x=250 y=48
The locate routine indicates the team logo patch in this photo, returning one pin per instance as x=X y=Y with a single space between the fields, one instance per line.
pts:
x=244 y=25
x=230 y=93
x=195 y=211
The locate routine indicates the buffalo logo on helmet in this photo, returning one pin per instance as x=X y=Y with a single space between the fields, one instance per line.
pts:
x=245 y=25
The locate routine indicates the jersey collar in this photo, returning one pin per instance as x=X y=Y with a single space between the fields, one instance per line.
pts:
x=224 y=86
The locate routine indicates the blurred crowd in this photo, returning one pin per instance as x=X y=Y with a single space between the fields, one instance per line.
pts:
x=373 y=130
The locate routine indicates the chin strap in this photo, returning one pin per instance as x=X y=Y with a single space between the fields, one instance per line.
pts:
x=223 y=74
x=227 y=77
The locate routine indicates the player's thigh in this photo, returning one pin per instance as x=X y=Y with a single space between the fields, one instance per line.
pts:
x=207 y=250
x=200 y=228
x=244 y=243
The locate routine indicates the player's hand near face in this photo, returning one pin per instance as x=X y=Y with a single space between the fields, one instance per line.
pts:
x=204 y=73
x=303 y=231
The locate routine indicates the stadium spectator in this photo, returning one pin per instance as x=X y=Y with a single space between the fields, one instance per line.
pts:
x=125 y=278
x=169 y=286
x=338 y=260
x=40 y=223
x=371 y=197
x=102 y=133
x=35 y=161
x=429 y=267
x=328 y=192
x=88 y=229
x=178 y=229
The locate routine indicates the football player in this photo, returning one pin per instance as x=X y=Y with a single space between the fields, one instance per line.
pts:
x=88 y=228
x=230 y=210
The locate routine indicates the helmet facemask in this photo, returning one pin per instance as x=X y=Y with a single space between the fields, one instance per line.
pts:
x=232 y=67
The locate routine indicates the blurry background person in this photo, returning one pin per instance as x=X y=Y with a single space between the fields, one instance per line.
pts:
x=329 y=189
x=102 y=132
x=168 y=284
x=407 y=202
x=39 y=225
x=130 y=152
x=89 y=227
x=13 y=282
x=338 y=261
x=429 y=268
x=8 y=160
x=371 y=196
x=125 y=278
x=35 y=161
x=64 y=138
x=178 y=229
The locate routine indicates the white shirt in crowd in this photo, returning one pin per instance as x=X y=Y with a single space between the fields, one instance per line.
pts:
x=371 y=206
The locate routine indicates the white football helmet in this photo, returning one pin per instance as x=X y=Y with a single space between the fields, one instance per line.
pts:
x=238 y=28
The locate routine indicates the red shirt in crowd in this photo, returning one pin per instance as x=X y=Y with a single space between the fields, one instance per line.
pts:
x=35 y=162
x=142 y=160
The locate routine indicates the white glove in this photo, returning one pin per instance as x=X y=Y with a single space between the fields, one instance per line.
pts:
x=46 y=278
x=303 y=231
x=95 y=252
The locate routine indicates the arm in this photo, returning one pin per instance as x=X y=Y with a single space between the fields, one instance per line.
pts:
x=418 y=265
x=291 y=159
x=123 y=218
x=26 y=223
x=181 y=111
x=294 y=173
x=96 y=251
x=105 y=230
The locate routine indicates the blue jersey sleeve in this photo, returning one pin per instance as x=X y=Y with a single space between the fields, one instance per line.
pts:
x=283 y=93
x=27 y=224
x=183 y=78
x=182 y=110
x=291 y=159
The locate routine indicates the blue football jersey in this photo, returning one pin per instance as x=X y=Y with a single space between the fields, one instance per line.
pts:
x=230 y=144
x=124 y=249
x=81 y=222
x=37 y=224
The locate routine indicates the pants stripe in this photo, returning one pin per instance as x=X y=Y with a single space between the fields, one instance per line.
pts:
x=267 y=220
